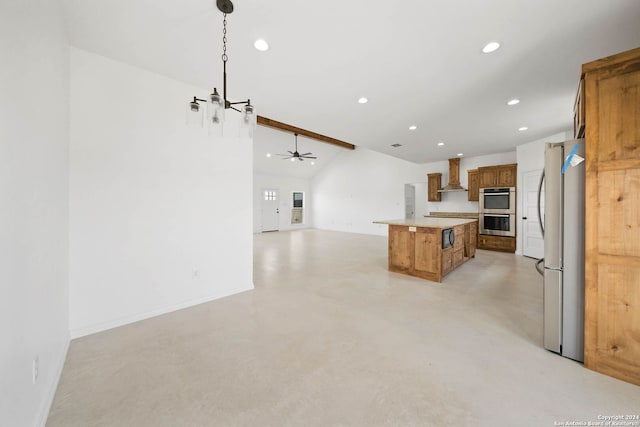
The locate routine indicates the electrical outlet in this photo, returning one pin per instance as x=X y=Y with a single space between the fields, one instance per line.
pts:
x=35 y=369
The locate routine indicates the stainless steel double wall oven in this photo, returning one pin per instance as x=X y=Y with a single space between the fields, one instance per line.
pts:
x=498 y=211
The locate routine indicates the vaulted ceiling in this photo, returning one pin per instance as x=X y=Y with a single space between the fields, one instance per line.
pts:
x=419 y=62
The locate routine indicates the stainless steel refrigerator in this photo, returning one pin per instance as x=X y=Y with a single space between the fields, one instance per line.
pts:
x=564 y=248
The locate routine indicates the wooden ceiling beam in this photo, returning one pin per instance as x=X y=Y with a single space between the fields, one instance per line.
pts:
x=264 y=121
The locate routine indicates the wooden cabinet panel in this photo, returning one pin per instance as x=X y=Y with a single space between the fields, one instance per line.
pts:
x=612 y=222
x=458 y=243
x=447 y=260
x=434 y=183
x=473 y=184
x=497 y=243
x=506 y=175
x=619 y=131
x=458 y=257
x=401 y=240
x=470 y=240
x=427 y=250
x=487 y=176
x=614 y=329
x=619 y=202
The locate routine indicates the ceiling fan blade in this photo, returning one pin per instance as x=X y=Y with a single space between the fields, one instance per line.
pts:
x=290 y=153
x=284 y=155
x=305 y=154
x=308 y=157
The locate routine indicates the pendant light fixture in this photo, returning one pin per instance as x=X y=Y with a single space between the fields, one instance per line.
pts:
x=216 y=104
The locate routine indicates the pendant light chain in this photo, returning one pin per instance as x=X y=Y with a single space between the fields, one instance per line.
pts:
x=224 y=39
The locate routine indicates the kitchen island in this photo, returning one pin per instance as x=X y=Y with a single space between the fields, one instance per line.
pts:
x=416 y=245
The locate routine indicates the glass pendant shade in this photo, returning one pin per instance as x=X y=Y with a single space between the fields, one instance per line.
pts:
x=194 y=114
x=215 y=112
x=248 y=121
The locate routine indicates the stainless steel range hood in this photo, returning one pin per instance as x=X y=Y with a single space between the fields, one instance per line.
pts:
x=454 y=177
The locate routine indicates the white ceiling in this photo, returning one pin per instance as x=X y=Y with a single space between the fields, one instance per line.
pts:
x=418 y=62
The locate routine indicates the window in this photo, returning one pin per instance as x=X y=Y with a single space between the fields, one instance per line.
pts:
x=269 y=195
x=298 y=199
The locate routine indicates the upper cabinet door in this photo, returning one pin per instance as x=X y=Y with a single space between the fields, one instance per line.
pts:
x=473 y=195
x=506 y=176
x=434 y=181
x=487 y=176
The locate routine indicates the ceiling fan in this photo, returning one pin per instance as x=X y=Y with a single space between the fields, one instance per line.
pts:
x=295 y=155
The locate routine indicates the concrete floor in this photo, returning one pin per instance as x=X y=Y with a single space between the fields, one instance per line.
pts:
x=330 y=338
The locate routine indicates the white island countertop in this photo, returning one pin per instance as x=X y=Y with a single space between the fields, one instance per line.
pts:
x=430 y=222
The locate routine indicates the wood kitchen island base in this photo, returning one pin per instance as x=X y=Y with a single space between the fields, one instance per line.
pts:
x=415 y=246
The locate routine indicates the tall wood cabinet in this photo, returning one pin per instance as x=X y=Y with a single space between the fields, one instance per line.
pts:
x=434 y=183
x=473 y=185
x=611 y=99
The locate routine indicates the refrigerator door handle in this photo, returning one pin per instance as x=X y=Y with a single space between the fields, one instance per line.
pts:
x=540 y=207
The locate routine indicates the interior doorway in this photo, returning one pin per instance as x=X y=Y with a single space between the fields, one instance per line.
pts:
x=270 y=210
x=409 y=201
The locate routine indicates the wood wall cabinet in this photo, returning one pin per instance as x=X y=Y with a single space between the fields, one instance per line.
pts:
x=497 y=243
x=473 y=185
x=612 y=221
x=434 y=183
x=498 y=176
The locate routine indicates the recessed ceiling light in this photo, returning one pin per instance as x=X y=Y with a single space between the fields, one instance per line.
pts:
x=293 y=159
x=268 y=154
x=396 y=145
x=513 y=101
x=490 y=47
x=313 y=163
x=413 y=127
x=261 y=45
x=523 y=128
x=460 y=154
x=363 y=100
x=440 y=144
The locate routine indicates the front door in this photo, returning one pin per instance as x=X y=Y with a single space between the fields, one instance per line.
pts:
x=270 y=210
x=532 y=241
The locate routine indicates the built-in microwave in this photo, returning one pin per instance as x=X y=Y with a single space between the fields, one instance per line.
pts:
x=498 y=224
x=496 y=200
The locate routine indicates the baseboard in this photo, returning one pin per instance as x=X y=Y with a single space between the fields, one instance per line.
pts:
x=45 y=407
x=103 y=326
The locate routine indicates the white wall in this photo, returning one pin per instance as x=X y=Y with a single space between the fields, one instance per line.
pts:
x=160 y=213
x=34 y=134
x=287 y=185
x=358 y=187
